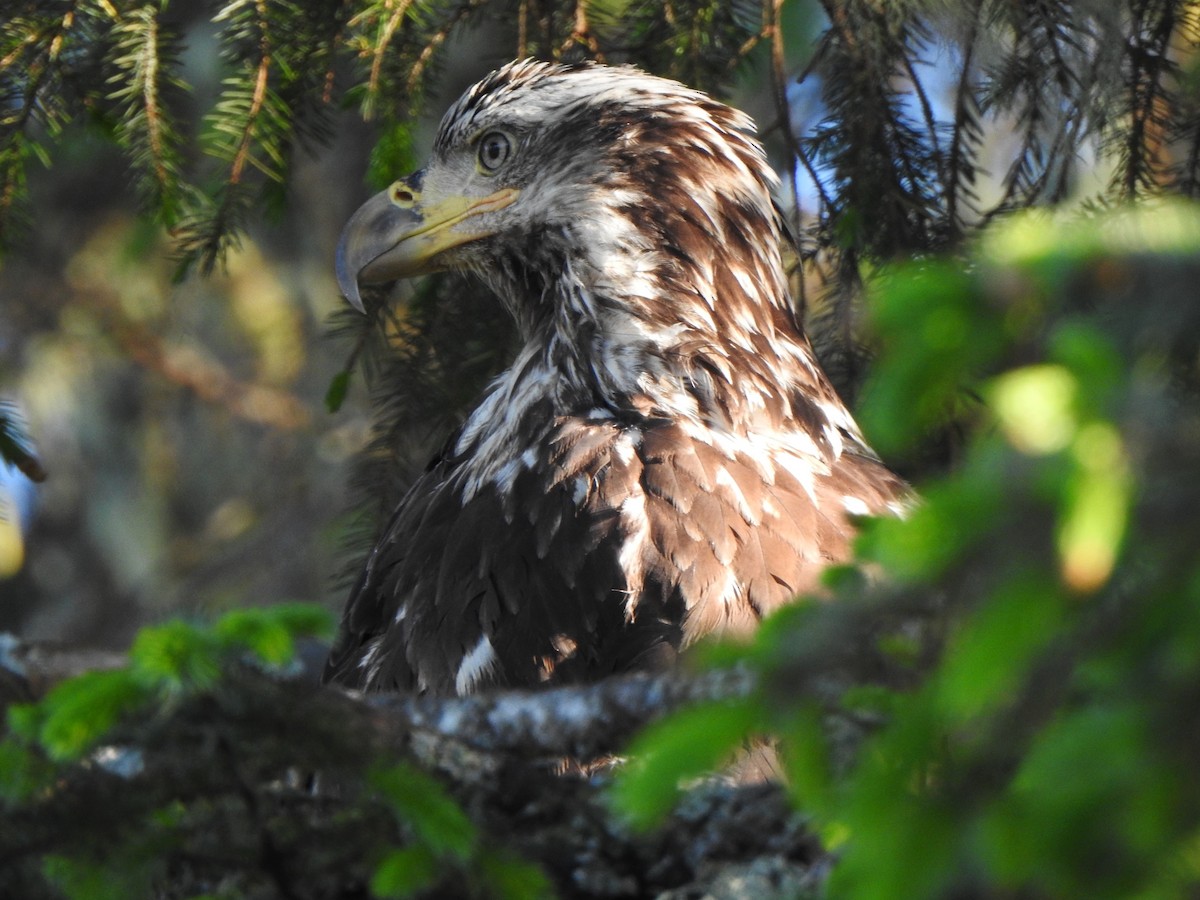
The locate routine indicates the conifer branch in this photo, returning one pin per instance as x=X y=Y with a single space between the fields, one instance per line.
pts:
x=244 y=132
x=15 y=449
x=959 y=171
x=919 y=92
x=30 y=76
x=879 y=160
x=435 y=39
x=144 y=60
x=1142 y=161
x=1184 y=121
x=386 y=31
x=779 y=78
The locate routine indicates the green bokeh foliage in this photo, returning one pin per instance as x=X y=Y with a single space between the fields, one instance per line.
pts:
x=175 y=771
x=1021 y=671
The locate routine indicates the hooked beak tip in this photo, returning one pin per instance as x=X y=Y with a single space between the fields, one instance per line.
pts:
x=347 y=279
x=353 y=298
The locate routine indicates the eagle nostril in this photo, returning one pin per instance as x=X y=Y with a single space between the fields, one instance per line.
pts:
x=403 y=195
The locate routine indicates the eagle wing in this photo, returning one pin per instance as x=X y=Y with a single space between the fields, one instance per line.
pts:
x=615 y=545
x=509 y=587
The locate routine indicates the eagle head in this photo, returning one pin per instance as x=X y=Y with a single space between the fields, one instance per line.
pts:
x=625 y=220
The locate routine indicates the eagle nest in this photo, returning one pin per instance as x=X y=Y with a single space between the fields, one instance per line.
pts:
x=665 y=459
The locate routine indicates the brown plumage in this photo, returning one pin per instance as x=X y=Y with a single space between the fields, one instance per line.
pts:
x=664 y=459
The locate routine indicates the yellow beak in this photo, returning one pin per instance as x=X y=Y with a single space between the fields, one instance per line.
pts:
x=396 y=234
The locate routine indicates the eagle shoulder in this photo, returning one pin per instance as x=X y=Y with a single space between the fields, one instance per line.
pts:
x=605 y=546
x=517 y=581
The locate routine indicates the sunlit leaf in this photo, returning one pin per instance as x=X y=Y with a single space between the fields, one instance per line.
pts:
x=1035 y=406
x=270 y=632
x=175 y=655
x=79 y=712
x=1097 y=508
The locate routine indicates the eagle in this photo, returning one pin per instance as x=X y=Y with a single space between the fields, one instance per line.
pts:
x=664 y=459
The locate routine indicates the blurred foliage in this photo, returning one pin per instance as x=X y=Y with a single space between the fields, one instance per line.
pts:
x=286 y=67
x=157 y=779
x=1012 y=713
x=165 y=662
x=898 y=153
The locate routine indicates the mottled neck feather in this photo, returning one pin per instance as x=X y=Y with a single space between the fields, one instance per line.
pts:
x=646 y=275
x=666 y=309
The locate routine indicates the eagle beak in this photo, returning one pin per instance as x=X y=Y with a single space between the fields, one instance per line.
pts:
x=397 y=233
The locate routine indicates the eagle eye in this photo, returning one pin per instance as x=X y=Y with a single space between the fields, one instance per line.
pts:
x=494 y=149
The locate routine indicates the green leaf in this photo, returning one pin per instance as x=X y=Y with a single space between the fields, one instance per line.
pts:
x=954 y=516
x=905 y=850
x=423 y=804
x=303 y=619
x=810 y=775
x=900 y=837
x=508 y=878
x=933 y=305
x=339 y=386
x=270 y=631
x=1036 y=407
x=25 y=720
x=1090 y=354
x=23 y=771
x=1091 y=790
x=176 y=655
x=986 y=662
x=1096 y=512
x=79 y=712
x=775 y=639
x=404 y=872
x=266 y=637
x=686 y=745
x=86 y=880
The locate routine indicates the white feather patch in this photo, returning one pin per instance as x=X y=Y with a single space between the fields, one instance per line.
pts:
x=723 y=479
x=855 y=506
x=475 y=666
x=632 y=557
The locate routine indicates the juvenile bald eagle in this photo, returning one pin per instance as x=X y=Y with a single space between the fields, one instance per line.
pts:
x=664 y=459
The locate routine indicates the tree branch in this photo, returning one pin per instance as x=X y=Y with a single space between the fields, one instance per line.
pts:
x=582 y=721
